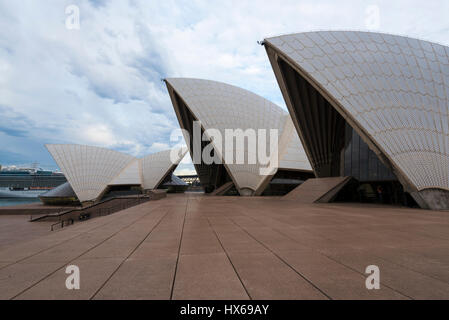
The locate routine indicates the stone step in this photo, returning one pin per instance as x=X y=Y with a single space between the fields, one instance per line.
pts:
x=317 y=190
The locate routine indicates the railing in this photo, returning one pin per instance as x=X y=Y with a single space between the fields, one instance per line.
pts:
x=83 y=214
x=62 y=222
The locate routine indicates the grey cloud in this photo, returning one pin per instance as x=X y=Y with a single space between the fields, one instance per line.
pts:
x=98 y=3
x=13 y=132
x=59 y=83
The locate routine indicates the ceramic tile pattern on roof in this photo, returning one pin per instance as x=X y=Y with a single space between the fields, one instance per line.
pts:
x=222 y=106
x=89 y=170
x=394 y=87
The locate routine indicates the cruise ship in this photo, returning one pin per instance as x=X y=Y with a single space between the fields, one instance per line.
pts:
x=28 y=182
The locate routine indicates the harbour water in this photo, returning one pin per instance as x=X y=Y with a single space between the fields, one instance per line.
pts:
x=17 y=202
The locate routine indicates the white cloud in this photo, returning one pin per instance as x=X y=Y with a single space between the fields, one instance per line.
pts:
x=98 y=135
x=157 y=146
x=101 y=85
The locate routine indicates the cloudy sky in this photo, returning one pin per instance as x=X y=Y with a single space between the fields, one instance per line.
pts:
x=101 y=84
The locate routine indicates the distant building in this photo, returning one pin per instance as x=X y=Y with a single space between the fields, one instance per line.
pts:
x=371 y=106
x=94 y=172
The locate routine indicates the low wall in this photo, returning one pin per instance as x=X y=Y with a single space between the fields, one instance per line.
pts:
x=156 y=194
x=103 y=208
x=32 y=209
x=39 y=209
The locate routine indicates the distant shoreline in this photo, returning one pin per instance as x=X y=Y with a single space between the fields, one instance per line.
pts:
x=16 y=202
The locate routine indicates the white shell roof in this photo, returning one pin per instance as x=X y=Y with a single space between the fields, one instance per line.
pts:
x=156 y=166
x=395 y=88
x=130 y=175
x=89 y=170
x=222 y=106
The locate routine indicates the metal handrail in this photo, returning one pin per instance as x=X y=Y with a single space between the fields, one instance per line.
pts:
x=71 y=221
x=91 y=212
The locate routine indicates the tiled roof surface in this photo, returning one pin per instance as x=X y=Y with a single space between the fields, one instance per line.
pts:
x=396 y=88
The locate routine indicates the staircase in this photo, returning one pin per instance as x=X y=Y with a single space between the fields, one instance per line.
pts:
x=102 y=208
x=222 y=190
x=318 y=190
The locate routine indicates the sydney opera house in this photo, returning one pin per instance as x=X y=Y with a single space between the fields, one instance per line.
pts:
x=221 y=106
x=371 y=106
x=351 y=205
x=94 y=172
x=367 y=122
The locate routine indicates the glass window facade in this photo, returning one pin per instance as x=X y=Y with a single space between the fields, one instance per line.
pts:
x=361 y=162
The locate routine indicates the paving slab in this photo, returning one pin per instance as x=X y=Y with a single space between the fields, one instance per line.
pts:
x=207 y=277
x=93 y=274
x=141 y=279
x=199 y=247
x=408 y=282
x=335 y=279
x=149 y=272
x=17 y=278
x=266 y=277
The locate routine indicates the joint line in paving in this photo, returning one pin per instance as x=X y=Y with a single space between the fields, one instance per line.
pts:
x=90 y=249
x=129 y=255
x=285 y=262
x=230 y=261
x=59 y=243
x=329 y=257
x=179 y=251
